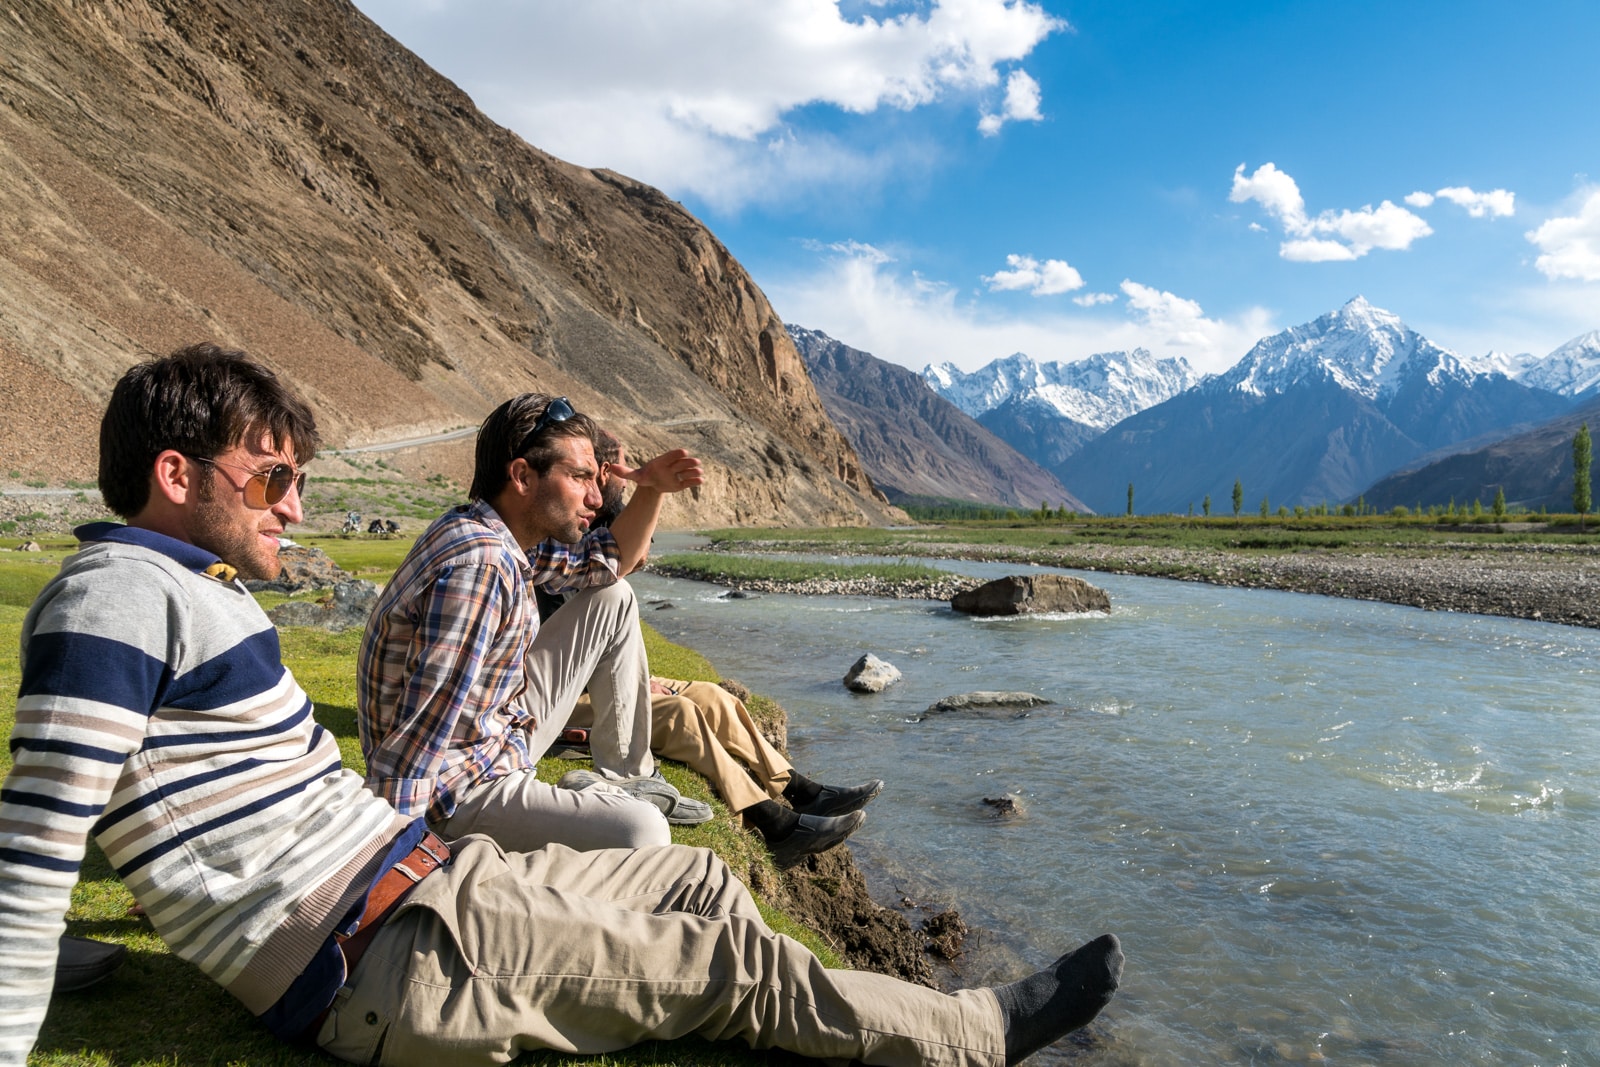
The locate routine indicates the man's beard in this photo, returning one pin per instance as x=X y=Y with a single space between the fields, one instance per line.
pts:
x=611 y=504
x=217 y=530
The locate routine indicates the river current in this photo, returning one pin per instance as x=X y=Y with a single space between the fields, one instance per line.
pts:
x=1327 y=831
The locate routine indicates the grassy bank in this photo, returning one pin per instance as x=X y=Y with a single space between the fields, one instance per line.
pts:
x=714 y=567
x=160 y=1010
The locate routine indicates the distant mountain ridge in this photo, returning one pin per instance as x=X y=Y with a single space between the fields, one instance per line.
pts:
x=913 y=442
x=1315 y=413
x=1047 y=411
x=1098 y=391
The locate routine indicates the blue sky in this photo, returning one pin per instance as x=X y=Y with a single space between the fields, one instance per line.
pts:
x=960 y=179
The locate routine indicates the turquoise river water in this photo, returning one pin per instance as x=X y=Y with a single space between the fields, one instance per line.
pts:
x=1327 y=831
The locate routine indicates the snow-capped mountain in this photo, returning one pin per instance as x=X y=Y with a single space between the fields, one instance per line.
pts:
x=1362 y=349
x=1316 y=413
x=1097 y=392
x=1571 y=370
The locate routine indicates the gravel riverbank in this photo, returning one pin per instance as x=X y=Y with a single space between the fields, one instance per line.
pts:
x=1550 y=583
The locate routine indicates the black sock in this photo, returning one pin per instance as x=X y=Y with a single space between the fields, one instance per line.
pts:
x=1059 y=999
x=771 y=820
x=801 y=790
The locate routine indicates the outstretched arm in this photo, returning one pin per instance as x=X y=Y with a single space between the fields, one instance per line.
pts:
x=670 y=472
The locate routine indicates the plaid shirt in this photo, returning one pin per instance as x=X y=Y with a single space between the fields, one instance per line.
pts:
x=441 y=679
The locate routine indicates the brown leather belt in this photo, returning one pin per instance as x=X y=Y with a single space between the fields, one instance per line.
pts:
x=386 y=893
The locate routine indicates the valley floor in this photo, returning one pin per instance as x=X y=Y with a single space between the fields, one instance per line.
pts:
x=1551 y=582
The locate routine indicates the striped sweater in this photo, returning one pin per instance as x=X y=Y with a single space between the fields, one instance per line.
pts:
x=155 y=713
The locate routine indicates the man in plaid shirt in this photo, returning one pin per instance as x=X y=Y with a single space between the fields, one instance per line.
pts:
x=461 y=690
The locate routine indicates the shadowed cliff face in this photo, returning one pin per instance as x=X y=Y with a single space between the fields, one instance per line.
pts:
x=282 y=176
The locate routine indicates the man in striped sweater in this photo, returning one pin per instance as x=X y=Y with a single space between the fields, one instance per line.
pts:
x=155 y=713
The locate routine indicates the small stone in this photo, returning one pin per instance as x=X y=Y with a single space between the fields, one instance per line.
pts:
x=29 y=546
x=1005 y=806
x=870 y=674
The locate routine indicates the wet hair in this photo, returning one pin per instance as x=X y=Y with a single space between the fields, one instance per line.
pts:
x=504 y=437
x=201 y=400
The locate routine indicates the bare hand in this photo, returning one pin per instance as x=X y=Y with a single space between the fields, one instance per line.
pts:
x=670 y=472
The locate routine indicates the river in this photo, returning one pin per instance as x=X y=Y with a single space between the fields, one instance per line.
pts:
x=1326 y=830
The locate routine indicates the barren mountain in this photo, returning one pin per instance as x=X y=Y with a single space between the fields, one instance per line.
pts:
x=282 y=176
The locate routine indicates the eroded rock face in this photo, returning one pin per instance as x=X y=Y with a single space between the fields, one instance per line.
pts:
x=286 y=178
x=1031 y=594
x=869 y=674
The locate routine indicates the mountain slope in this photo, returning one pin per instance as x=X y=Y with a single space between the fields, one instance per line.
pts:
x=912 y=441
x=1534 y=468
x=284 y=177
x=1313 y=414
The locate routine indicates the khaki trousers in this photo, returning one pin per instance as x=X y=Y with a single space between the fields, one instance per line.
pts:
x=708 y=728
x=592 y=952
x=593 y=640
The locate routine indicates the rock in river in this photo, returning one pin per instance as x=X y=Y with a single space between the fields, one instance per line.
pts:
x=871 y=675
x=1012 y=705
x=1032 y=593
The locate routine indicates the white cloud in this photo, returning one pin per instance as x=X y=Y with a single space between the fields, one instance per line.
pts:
x=1089 y=300
x=1274 y=190
x=1570 y=244
x=1331 y=235
x=1049 y=278
x=1496 y=203
x=697 y=95
x=1315 y=250
x=1387 y=226
x=868 y=300
x=1021 y=104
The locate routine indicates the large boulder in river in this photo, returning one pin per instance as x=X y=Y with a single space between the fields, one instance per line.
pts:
x=869 y=674
x=1030 y=594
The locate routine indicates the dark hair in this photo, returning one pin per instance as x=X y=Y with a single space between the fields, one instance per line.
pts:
x=607 y=449
x=201 y=400
x=507 y=428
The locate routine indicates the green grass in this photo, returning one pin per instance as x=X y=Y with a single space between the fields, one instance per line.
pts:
x=160 y=1011
x=1250 y=533
x=713 y=566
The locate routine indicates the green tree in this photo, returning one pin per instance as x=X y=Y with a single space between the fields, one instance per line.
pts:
x=1266 y=509
x=1499 y=504
x=1582 y=464
x=1238 y=497
x=1130 y=498
x=1205 y=506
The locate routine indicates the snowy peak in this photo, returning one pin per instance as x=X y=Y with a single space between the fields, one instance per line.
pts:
x=1361 y=348
x=1573 y=370
x=1098 y=391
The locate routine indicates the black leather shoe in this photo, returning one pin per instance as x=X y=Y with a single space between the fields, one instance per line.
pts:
x=82 y=963
x=842 y=799
x=816 y=833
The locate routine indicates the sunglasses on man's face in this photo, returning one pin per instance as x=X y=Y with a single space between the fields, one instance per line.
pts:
x=262 y=489
x=558 y=410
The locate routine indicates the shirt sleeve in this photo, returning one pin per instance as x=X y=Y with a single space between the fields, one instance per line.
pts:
x=94 y=664
x=452 y=669
x=563 y=568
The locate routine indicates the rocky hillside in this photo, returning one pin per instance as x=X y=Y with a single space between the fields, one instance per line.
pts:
x=282 y=176
x=915 y=443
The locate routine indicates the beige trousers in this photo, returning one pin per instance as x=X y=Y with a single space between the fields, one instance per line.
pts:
x=710 y=729
x=592 y=952
x=593 y=640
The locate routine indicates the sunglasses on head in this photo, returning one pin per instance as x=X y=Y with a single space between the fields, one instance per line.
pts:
x=558 y=410
x=262 y=489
